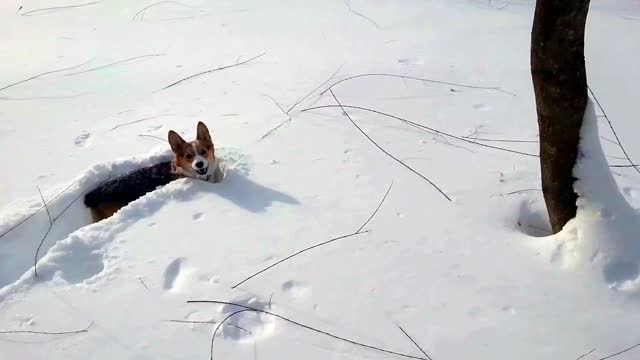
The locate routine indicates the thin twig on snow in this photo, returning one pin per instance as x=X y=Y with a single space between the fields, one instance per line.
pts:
x=209 y=71
x=357 y=232
x=44 y=203
x=47 y=332
x=613 y=131
x=344 y=112
x=620 y=352
x=314 y=90
x=586 y=354
x=419 y=79
x=326 y=333
x=423 y=127
x=191 y=321
x=114 y=63
x=43 y=74
x=136 y=121
x=30 y=12
x=35 y=212
x=35 y=257
x=348 y=4
x=414 y=342
x=158 y=3
x=154 y=137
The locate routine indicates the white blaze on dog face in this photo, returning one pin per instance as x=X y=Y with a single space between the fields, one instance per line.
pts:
x=200 y=163
x=196 y=158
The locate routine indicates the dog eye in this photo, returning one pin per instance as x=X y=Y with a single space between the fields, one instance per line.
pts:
x=189 y=156
x=203 y=152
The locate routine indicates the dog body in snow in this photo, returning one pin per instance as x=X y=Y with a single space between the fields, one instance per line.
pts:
x=195 y=159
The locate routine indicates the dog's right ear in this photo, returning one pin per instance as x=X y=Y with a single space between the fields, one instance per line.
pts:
x=176 y=142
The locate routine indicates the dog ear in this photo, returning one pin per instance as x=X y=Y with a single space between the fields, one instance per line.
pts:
x=176 y=142
x=203 y=133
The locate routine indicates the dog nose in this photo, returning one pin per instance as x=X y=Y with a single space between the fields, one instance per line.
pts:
x=199 y=164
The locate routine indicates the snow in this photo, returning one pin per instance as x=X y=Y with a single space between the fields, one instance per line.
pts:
x=476 y=278
x=603 y=236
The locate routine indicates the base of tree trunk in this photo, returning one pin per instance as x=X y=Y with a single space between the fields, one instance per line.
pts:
x=560 y=85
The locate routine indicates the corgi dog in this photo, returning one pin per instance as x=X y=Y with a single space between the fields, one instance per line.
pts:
x=194 y=159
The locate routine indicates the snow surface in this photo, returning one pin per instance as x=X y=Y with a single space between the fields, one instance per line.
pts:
x=476 y=278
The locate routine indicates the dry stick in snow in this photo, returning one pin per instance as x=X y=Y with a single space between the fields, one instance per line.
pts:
x=191 y=321
x=286 y=113
x=35 y=257
x=624 y=166
x=275 y=129
x=414 y=342
x=620 y=352
x=134 y=122
x=35 y=212
x=239 y=327
x=43 y=74
x=209 y=71
x=500 y=140
x=154 y=137
x=420 y=79
x=276 y=103
x=586 y=354
x=423 y=127
x=624 y=151
x=114 y=63
x=143 y=284
x=298 y=253
x=352 y=342
x=44 y=203
x=314 y=90
x=348 y=4
x=518 y=191
x=357 y=232
x=58 y=8
x=344 y=112
x=213 y=338
x=609 y=140
x=158 y=3
x=47 y=332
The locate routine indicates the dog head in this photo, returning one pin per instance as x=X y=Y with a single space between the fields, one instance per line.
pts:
x=195 y=159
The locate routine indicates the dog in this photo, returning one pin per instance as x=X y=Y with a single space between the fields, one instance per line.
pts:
x=195 y=159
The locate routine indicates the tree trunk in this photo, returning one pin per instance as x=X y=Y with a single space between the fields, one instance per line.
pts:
x=560 y=85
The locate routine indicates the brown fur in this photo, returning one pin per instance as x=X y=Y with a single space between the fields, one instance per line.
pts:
x=104 y=211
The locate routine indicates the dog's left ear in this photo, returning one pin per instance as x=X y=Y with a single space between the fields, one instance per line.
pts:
x=203 y=133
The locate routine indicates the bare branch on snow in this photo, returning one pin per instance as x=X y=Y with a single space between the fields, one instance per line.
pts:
x=244 y=308
x=209 y=71
x=57 y=8
x=47 y=332
x=357 y=232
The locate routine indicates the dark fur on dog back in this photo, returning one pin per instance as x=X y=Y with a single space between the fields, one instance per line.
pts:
x=126 y=188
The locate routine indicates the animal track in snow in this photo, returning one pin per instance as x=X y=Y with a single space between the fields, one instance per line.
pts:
x=296 y=289
x=171 y=273
x=533 y=219
x=247 y=326
x=620 y=275
x=197 y=216
x=481 y=107
x=82 y=139
x=74 y=262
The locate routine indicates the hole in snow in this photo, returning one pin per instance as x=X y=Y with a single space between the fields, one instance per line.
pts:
x=617 y=273
x=533 y=219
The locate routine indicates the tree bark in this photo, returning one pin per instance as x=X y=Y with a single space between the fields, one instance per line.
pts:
x=560 y=86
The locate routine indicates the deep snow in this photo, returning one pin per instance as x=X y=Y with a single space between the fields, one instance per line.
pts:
x=475 y=278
